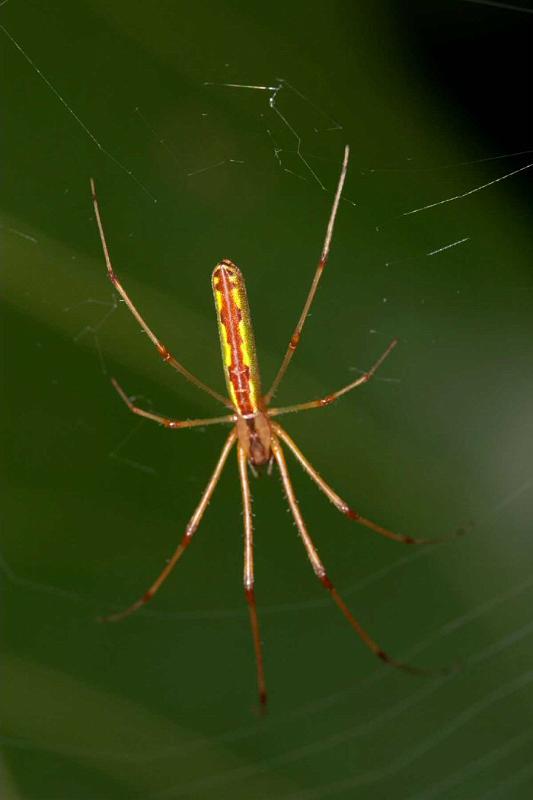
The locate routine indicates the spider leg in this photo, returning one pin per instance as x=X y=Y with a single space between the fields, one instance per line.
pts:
x=165 y=354
x=296 y=336
x=190 y=530
x=322 y=576
x=249 y=581
x=343 y=507
x=169 y=423
x=330 y=398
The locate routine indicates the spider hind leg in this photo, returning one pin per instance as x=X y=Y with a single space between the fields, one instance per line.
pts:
x=323 y=577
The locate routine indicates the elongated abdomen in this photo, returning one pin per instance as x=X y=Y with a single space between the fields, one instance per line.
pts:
x=236 y=338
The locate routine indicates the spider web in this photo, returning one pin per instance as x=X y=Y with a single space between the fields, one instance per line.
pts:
x=200 y=151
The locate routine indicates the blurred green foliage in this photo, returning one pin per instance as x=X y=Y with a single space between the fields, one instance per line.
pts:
x=162 y=706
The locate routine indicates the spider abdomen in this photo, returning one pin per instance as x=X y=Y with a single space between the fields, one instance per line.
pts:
x=236 y=338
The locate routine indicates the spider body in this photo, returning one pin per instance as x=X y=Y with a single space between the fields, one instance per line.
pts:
x=239 y=360
x=257 y=436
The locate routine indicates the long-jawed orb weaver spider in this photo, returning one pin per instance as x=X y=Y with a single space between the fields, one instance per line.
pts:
x=257 y=436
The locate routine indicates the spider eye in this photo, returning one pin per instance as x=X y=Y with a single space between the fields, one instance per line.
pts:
x=227 y=271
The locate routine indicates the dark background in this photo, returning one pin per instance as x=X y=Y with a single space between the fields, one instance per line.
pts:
x=434 y=100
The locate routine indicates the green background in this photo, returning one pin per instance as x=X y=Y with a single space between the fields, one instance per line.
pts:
x=164 y=704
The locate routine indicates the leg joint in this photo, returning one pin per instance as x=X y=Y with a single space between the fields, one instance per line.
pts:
x=325 y=581
x=295 y=341
x=164 y=353
x=249 y=591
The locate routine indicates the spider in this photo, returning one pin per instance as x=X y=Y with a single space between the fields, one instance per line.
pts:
x=256 y=434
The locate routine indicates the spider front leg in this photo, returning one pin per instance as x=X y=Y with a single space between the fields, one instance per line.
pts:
x=249 y=580
x=297 y=334
x=190 y=530
x=163 y=351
